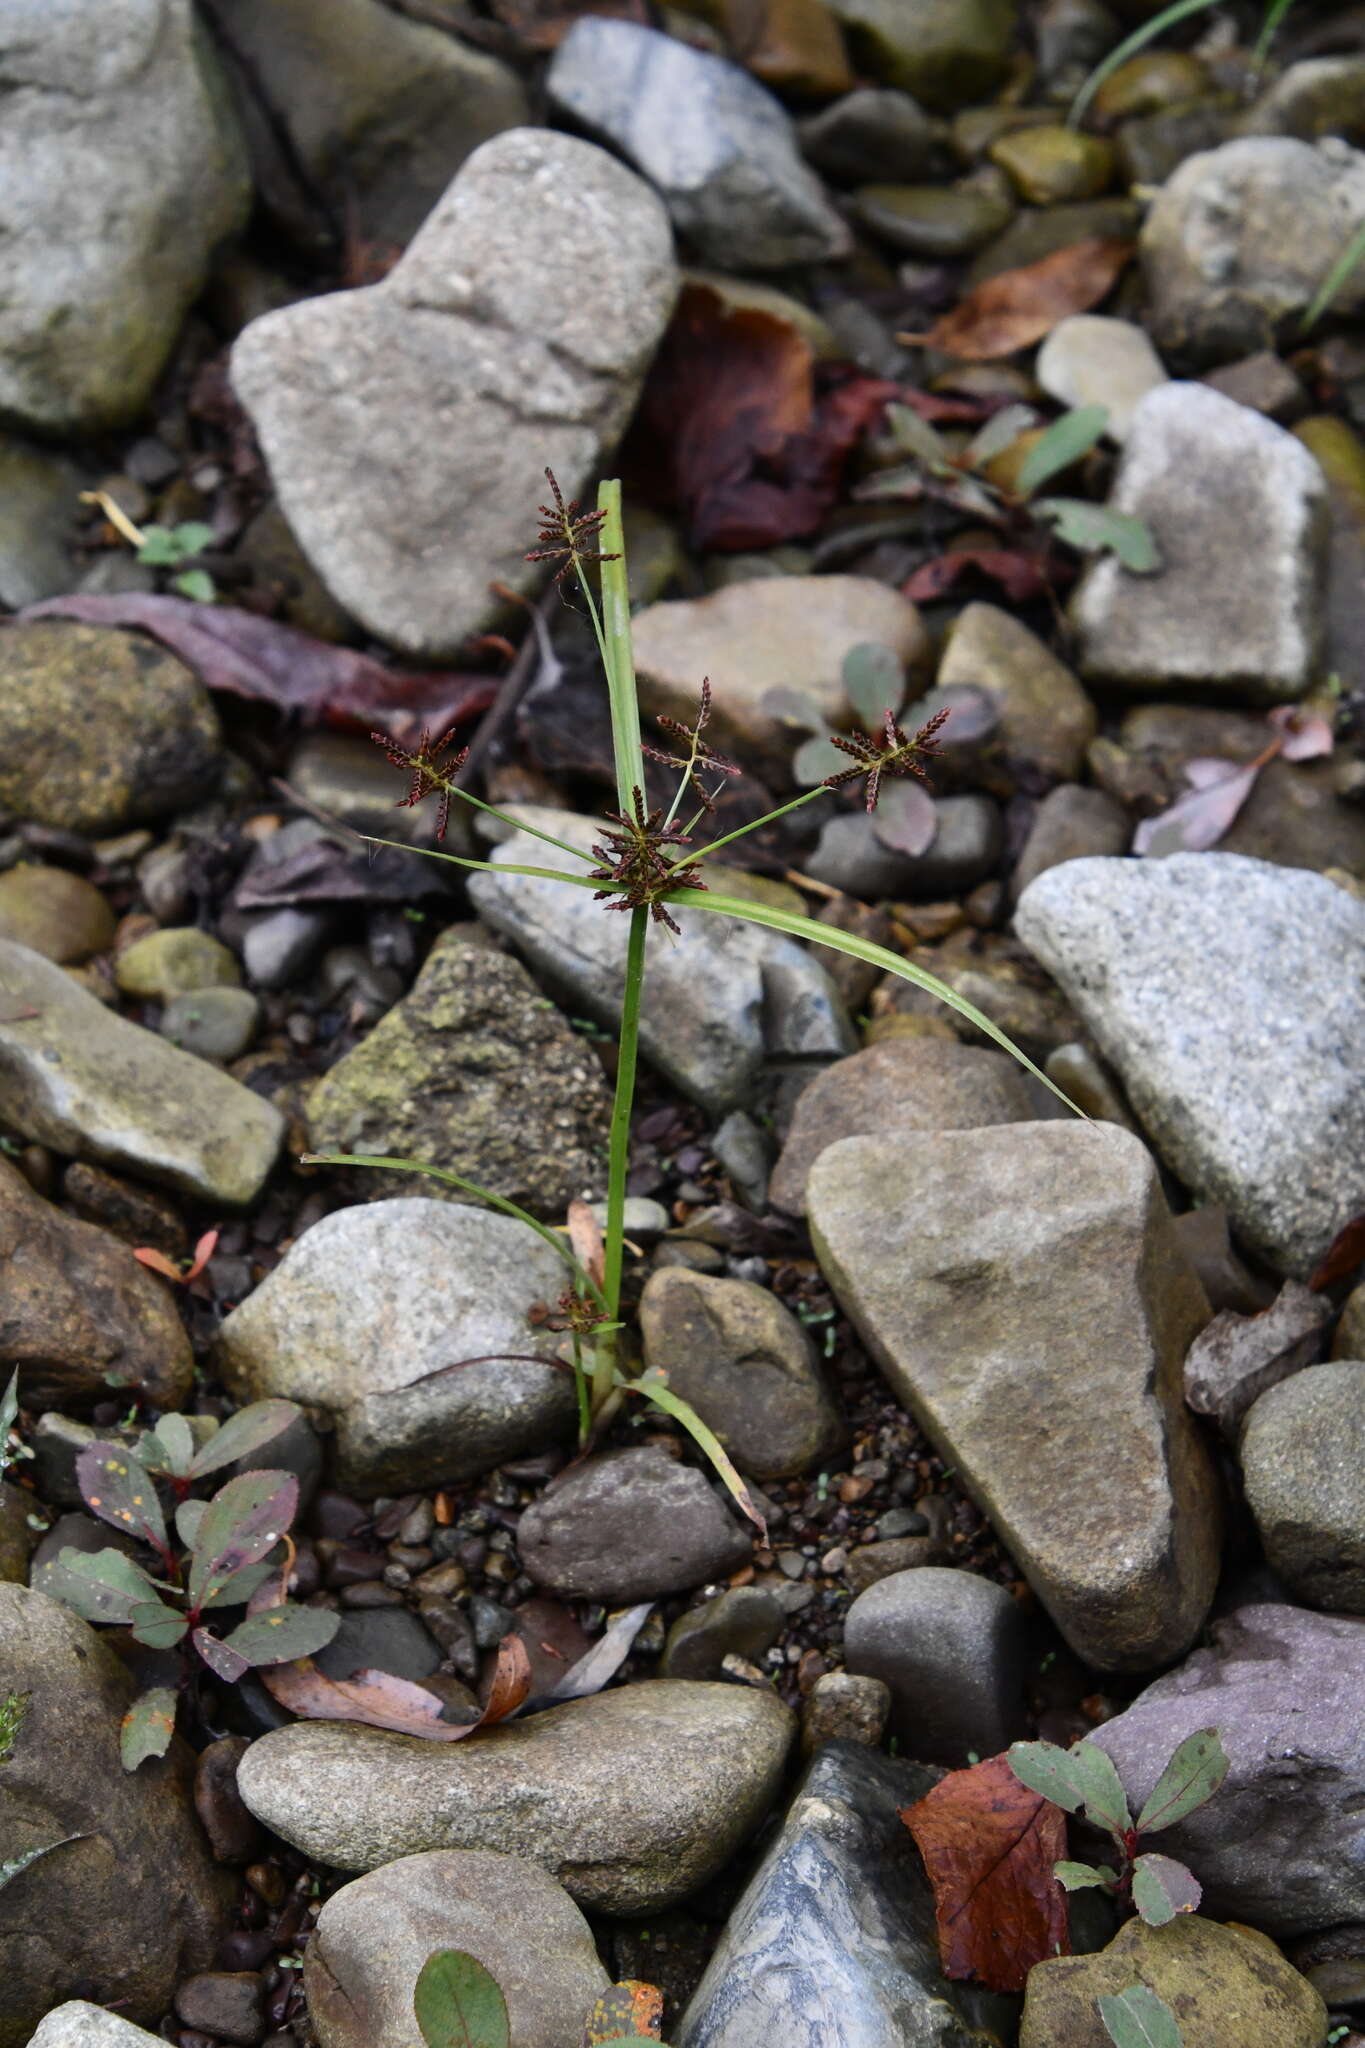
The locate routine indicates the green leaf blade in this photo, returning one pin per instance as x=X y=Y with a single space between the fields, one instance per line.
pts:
x=1137 y=2018
x=618 y=650
x=1079 y=1877
x=1192 y=1776
x=147 y=1727
x=9 y=1410
x=1336 y=277
x=1106 y=1803
x=874 y=683
x=1098 y=529
x=1130 y=47
x=157 y=1625
x=244 y=1520
x=104 y=1586
x=459 y=2003
x=1050 y=1771
x=277 y=1635
x=1061 y=444
x=169 y=1447
x=1164 y=1888
x=244 y=1433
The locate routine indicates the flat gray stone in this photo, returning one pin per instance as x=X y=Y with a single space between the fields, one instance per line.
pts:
x=1090 y=359
x=833 y=1944
x=75 y=1076
x=1022 y=1289
x=1238 y=510
x=718 y=998
x=79 y=2025
x=629 y=1525
x=1280 y=1843
x=374 y=1935
x=370 y=1302
x=1229 y=995
x=521 y=319
x=717 y=146
x=745 y=1622
x=632 y=1799
x=1239 y=239
x=121 y=169
x=39 y=504
x=952 y=1647
x=133 y=1905
x=1303 y=1464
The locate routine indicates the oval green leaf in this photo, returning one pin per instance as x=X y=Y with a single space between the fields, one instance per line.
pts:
x=244 y=1433
x=157 y=1625
x=874 y=682
x=459 y=2004
x=1049 y=1770
x=277 y=1635
x=1137 y=2018
x=118 y=1488
x=1106 y=1803
x=103 y=1587
x=147 y=1727
x=244 y=1520
x=1193 y=1775
x=169 y=1447
x=1162 y=1888
x=1064 y=442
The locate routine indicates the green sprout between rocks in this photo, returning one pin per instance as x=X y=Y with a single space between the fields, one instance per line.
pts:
x=215 y=1555
x=459 y=2004
x=164 y=547
x=647 y=867
x=1083 y=1779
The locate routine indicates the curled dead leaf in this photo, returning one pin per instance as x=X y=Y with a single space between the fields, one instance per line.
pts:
x=1015 y=308
x=380 y=1700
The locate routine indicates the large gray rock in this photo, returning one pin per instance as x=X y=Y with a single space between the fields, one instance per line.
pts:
x=1022 y=1289
x=743 y=1361
x=1045 y=720
x=121 y=1914
x=717 y=145
x=1240 y=238
x=901 y=1084
x=39 y=504
x=946 y=52
x=718 y=997
x=953 y=1649
x=833 y=1943
x=1230 y=996
x=86 y=1082
x=629 y=1525
x=380 y=110
x=120 y=169
x=1303 y=1464
x=1280 y=1842
x=100 y=730
x=474 y=1072
x=79 y=1316
x=80 y=2025
x=522 y=317
x=374 y=1935
x=370 y=1303
x=1238 y=510
x=632 y=1799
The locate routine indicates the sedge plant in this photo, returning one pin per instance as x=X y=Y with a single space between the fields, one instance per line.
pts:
x=648 y=867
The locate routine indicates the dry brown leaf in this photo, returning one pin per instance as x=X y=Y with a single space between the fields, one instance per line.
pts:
x=380 y=1700
x=1015 y=308
x=989 y=1845
x=589 y=1247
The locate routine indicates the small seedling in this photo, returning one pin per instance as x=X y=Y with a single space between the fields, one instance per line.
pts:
x=13 y=1708
x=1137 y=2018
x=962 y=481
x=11 y=1449
x=1083 y=1779
x=164 y=547
x=459 y=2004
x=216 y=1555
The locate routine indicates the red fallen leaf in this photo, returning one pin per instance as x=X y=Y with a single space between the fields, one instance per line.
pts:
x=382 y=1701
x=1015 y=308
x=230 y=649
x=1020 y=576
x=740 y=429
x=629 y=2011
x=1304 y=735
x=1198 y=819
x=906 y=818
x=989 y=1845
x=159 y=1263
x=1343 y=1255
x=931 y=406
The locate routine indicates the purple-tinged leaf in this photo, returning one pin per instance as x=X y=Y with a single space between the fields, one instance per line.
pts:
x=874 y=682
x=169 y=1447
x=188 y=1517
x=906 y=818
x=815 y=760
x=1198 y=819
x=1162 y=1888
x=244 y=1520
x=244 y=1433
x=1304 y=735
x=238 y=1587
x=147 y=1727
x=277 y=1635
x=1192 y=1776
x=103 y=1587
x=222 y=1662
x=119 y=1489
x=157 y=1625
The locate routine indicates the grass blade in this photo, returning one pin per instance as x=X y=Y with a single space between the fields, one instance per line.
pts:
x=1274 y=15
x=1335 y=279
x=1129 y=47
x=623 y=1102
x=655 y=1388
x=620 y=658
x=1063 y=443
x=797 y=926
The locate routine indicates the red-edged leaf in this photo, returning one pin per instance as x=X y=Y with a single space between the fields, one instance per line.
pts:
x=1198 y=820
x=1162 y=1887
x=989 y=1845
x=120 y=1490
x=629 y=2011
x=740 y=429
x=905 y=818
x=157 y=1262
x=244 y=1520
x=1304 y=735
x=382 y=1701
x=256 y=657
x=1015 y=308
x=157 y=1625
x=1020 y=576
x=1343 y=1255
